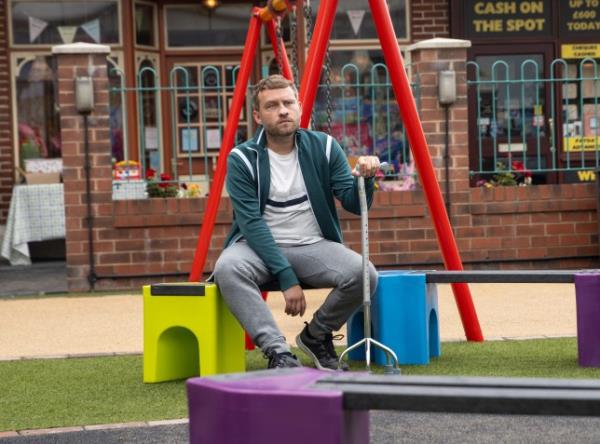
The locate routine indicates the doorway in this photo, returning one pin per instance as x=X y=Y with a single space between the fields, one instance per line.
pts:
x=510 y=123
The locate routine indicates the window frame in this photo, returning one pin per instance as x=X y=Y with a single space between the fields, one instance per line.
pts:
x=15 y=67
x=154 y=58
x=155 y=22
x=41 y=47
x=209 y=49
x=375 y=41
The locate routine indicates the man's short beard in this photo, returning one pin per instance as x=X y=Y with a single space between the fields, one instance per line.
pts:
x=274 y=131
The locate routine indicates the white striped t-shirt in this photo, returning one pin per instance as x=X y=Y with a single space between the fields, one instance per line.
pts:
x=288 y=212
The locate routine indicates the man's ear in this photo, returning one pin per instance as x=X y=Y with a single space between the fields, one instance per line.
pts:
x=256 y=116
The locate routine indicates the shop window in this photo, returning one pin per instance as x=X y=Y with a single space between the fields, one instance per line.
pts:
x=511 y=96
x=510 y=121
x=38 y=122
x=57 y=22
x=145 y=24
x=581 y=107
x=203 y=98
x=198 y=26
x=354 y=21
x=37 y=113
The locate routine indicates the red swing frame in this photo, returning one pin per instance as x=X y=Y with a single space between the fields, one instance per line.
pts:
x=307 y=94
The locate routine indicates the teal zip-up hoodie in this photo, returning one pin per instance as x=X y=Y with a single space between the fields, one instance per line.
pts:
x=326 y=174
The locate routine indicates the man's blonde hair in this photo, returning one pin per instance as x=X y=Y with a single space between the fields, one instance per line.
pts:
x=275 y=81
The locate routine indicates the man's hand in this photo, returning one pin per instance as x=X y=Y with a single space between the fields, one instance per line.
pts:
x=295 y=302
x=366 y=166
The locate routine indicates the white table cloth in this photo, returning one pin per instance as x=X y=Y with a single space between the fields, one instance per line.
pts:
x=37 y=212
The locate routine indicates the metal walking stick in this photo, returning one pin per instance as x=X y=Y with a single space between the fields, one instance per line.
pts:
x=389 y=368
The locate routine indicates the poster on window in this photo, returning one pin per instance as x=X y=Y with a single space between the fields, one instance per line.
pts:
x=591 y=119
x=151 y=137
x=189 y=140
x=588 y=135
x=213 y=138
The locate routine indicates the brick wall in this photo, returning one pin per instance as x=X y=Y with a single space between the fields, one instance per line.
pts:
x=519 y=227
x=429 y=19
x=152 y=240
x=6 y=144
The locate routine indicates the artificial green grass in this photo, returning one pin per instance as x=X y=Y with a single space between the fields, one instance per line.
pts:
x=83 y=391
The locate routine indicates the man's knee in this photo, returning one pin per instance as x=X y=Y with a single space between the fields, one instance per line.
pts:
x=226 y=267
x=353 y=275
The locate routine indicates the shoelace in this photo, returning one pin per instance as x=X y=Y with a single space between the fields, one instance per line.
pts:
x=329 y=344
x=276 y=359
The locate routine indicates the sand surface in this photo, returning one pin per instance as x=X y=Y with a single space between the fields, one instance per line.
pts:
x=113 y=324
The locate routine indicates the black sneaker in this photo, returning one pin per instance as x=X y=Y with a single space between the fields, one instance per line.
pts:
x=282 y=360
x=321 y=351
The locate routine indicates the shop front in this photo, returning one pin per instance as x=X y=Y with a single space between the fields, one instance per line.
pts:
x=533 y=88
x=172 y=70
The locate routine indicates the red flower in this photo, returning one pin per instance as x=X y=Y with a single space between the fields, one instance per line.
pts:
x=164 y=180
x=150 y=173
x=517 y=165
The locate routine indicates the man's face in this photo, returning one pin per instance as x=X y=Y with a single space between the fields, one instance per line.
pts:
x=278 y=111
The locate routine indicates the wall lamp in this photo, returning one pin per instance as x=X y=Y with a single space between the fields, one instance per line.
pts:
x=210 y=4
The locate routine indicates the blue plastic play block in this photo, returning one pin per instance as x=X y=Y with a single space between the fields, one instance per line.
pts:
x=404 y=318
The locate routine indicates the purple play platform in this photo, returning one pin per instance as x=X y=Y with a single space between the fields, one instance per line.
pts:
x=587 y=290
x=271 y=406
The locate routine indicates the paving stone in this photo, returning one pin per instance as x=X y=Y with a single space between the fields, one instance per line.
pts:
x=50 y=431
x=8 y=434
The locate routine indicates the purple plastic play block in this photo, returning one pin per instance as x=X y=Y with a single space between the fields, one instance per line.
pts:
x=271 y=406
x=587 y=291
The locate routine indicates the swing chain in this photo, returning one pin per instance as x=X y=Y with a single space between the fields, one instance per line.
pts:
x=279 y=39
x=308 y=27
x=328 y=100
x=294 y=36
x=308 y=21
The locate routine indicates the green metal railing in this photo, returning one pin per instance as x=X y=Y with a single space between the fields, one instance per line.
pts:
x=531 y=124
x=359 y=110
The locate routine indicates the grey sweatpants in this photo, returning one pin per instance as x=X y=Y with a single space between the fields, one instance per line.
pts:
x=325 y=264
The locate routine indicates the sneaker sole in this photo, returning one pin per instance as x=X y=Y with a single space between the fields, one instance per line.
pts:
x=311 y=355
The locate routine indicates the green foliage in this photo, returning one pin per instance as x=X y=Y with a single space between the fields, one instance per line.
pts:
x=516 y=176
x=503 y=178
x=161 y=189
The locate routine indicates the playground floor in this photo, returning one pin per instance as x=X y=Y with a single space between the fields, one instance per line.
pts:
x=66 y=326
x=99 y=325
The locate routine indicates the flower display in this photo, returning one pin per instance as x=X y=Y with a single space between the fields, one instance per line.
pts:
x=164 y=187
x=516 y=176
